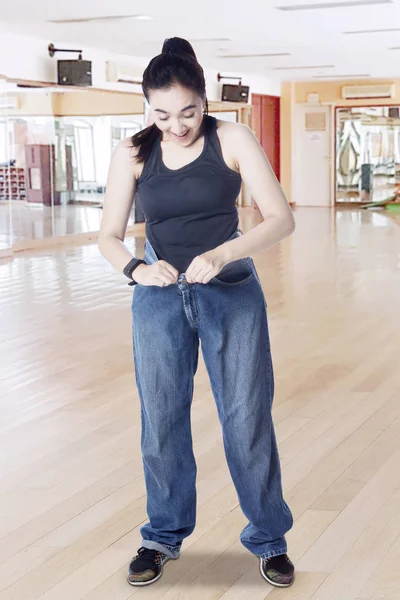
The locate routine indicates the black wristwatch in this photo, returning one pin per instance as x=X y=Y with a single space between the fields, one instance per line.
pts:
x=130 y=267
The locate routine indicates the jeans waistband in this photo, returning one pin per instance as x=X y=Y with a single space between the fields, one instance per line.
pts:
x=151 y=257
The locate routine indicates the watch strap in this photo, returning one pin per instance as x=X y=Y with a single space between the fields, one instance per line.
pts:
x=131 y=266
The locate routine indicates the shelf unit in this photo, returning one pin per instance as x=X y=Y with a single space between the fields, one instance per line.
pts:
x=41 y=174
x=12 y=183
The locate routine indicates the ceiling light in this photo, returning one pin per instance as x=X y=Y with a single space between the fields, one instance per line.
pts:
x=205 y=40
x=300 y=68
x=106 y=18
x=341 y=76
x=371 y=31
x=344 y=4
x=255 y=55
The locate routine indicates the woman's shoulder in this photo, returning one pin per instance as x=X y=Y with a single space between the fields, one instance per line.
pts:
x=126 y=154
x=235 y=137
x=233 y=132
x=125 y=150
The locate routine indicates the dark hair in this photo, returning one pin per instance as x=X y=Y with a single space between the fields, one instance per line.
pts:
x=177 y=63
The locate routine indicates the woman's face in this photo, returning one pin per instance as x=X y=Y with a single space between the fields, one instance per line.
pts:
x=178 y=113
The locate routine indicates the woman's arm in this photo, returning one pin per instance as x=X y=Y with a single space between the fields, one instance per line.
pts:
x=118 y=201
x=258 y=175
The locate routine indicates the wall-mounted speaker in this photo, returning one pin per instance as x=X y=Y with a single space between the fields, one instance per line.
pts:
x=235 y=93
x=74 y=72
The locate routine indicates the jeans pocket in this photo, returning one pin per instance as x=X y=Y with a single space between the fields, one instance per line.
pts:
x=235 y=273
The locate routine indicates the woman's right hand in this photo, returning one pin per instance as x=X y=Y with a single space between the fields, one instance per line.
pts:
x=159 y=273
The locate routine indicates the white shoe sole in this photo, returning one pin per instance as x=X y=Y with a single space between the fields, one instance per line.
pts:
x=282 y=585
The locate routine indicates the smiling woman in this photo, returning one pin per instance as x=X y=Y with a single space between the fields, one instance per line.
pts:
x=177 y=64
x=183 y=125
x=198 y=282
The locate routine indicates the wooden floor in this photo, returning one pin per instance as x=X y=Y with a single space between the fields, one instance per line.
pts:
x=36 y=222
x=72 y=496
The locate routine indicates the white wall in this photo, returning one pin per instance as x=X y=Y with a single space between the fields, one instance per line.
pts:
x=23 y=57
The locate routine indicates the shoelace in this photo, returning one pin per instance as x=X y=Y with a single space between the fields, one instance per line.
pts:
x=149 y=554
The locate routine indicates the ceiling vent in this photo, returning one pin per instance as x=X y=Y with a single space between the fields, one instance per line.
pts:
x=9 y=103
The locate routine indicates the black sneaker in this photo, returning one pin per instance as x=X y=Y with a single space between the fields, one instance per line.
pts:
x=146 y=567
x=277 y=570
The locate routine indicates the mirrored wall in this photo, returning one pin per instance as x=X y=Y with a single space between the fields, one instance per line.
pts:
x=54 y=158
x=367 y=153
x=55 y=150
x=5 y=181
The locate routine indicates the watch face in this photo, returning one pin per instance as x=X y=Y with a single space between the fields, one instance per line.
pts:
x=128 y=269
x=137 y=263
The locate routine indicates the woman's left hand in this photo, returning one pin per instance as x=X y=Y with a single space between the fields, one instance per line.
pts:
x=205 y=266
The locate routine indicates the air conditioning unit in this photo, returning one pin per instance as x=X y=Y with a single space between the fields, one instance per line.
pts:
x=9 y=103
x=359 y=92
x=123 y=73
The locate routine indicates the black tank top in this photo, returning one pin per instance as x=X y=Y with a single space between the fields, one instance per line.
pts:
x=189 y=210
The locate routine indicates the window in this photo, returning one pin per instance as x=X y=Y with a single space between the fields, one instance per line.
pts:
x=84 y=148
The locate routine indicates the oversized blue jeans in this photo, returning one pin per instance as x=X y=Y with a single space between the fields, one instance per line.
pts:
x=228 y=315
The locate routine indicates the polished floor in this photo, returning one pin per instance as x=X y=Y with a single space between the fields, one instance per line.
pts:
x=72 y=495
x=20 y=222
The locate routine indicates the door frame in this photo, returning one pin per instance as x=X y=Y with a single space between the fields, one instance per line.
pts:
x=277 y=142
x=332 y=148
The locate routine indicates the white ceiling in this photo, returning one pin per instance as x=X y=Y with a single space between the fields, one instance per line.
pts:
x=312 y=38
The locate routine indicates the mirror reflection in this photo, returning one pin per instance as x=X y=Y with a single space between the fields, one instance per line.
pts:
x=5 y=173
x=367 y=153
x=53 y=166
x=55 y=150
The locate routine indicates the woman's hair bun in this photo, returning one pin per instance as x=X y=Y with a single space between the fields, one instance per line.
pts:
x=178 y=46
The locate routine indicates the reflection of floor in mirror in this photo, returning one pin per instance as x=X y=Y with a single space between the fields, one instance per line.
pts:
x=354 y=195
x=395 y=216
x=37 y=222
x=87 y=197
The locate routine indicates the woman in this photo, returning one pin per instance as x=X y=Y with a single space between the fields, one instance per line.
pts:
x=198 y=282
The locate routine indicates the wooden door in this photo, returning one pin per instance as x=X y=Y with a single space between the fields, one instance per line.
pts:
x=265 y=123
